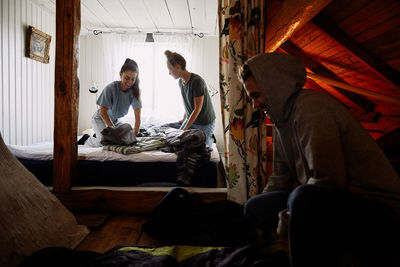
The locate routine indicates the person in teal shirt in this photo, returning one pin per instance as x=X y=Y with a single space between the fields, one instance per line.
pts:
x=199 y=112
x=115 y=100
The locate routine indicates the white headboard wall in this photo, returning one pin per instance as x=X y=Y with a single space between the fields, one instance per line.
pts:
x=27 y=86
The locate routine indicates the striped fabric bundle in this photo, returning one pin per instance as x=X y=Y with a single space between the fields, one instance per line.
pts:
x=187 y=165
x=143 y=144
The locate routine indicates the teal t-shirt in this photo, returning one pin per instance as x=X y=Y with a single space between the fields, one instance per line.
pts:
x=117 y=101
x=194 y=88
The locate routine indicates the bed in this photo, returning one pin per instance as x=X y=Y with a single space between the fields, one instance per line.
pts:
x=97 y=167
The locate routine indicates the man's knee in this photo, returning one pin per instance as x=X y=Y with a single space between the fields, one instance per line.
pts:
x=250 y=207
x=304 y=196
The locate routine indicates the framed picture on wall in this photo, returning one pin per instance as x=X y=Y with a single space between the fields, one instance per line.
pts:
x=39 y=45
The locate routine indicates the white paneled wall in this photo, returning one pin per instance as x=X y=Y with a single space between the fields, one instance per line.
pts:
x=27 y=86
x=92 y=68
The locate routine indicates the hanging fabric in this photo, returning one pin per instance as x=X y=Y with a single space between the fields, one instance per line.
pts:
x=241 y=37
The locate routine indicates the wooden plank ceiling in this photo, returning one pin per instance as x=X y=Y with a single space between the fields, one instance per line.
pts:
x=356 y=42
x=156 y=16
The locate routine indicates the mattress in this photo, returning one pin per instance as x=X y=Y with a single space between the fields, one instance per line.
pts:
x=44 y=151
x=97 y=167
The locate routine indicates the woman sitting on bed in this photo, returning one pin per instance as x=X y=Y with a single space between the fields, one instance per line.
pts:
x=114 y=102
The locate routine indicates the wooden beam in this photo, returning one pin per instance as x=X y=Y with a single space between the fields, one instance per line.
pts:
x=358 y=90
x=350 y=99
x=129 y=200
x=68 y=24
x=357 y=49
x=290 y=17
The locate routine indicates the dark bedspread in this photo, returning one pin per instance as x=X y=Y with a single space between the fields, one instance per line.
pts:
x=250 y=255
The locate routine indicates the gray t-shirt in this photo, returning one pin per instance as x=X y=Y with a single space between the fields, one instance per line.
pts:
x=194 y=88
x=117 y=101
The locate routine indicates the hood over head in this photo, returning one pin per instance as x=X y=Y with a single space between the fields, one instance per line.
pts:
x=278 y=76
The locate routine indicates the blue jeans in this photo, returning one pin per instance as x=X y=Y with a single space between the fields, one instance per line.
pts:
x=326 y=225
x=207 y=129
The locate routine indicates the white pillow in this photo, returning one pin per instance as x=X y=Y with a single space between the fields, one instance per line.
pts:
x=31 y=218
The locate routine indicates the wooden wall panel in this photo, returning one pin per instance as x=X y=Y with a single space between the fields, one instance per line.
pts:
x=338 y=13
x=378 y=29
x=26 y=104
x=383 y=40
x=374 y=24
x=377 y=18
x=385 y=44
x=351 y=23
x=395 y=63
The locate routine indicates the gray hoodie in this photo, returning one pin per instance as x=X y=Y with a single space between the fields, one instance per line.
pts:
x=316 y=140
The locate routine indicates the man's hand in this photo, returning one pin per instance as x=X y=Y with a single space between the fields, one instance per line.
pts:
x=283 y=229
x=283 y=225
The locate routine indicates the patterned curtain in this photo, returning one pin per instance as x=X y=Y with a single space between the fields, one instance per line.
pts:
x=241 y=37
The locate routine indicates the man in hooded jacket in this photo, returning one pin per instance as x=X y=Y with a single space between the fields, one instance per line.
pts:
x=341 y=193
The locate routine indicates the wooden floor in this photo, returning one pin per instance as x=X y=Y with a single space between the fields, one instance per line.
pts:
x=108 y=231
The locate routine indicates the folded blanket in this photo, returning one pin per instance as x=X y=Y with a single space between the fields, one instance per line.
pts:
x=143 y=144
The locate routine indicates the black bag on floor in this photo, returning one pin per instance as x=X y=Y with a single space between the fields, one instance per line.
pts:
x=182 y=219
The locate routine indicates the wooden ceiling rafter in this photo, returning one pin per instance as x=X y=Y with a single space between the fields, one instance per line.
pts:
x=311 y=84
x=290 y=17
x=376 y=64
x=351 y=100
x=358 y=90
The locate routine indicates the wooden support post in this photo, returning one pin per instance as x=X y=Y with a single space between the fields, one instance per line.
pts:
x=68 y=24
x=290 y=17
